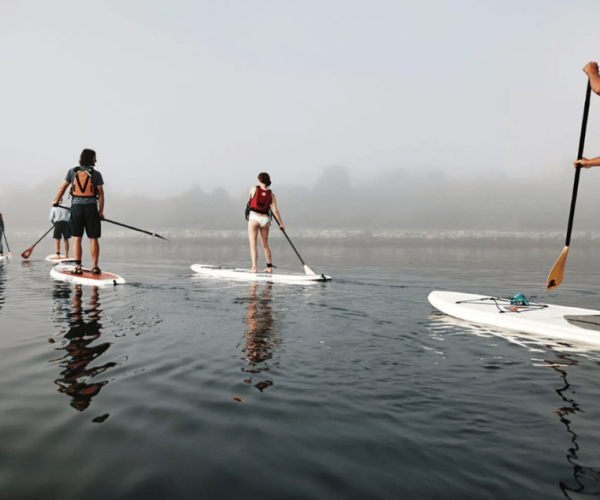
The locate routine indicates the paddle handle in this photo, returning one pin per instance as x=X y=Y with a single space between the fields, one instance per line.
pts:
x=586 y=110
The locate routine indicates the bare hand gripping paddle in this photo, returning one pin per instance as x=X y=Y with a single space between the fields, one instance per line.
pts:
x=556 y=274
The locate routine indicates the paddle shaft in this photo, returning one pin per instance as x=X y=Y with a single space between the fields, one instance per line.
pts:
x=135 y=229
x=125 y=225
x=290 y=241
x=42 y=236
x=586 y=110
x=4 y=232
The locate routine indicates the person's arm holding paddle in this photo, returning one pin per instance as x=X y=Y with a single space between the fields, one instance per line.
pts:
x=101 y=201
x=276 y=212
x=591 y=70
x=585 y=163
x=61 y=190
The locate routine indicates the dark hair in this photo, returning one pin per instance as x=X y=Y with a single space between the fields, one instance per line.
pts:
x=87 y=158
x=264 y=178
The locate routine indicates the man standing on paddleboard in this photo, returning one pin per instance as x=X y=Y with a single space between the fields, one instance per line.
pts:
x=87 y=206
x=60 y=219
x=591 y=70
x=262 y=201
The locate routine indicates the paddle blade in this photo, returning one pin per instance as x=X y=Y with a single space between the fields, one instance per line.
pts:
x=27 y=253
x=556 y=275
x=309 y=271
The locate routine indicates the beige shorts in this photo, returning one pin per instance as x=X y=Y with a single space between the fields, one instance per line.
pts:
x=261 y=219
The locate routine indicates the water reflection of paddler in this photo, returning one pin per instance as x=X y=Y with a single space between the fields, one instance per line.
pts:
x=76 y=376
x=261 y=335
x=586 y=478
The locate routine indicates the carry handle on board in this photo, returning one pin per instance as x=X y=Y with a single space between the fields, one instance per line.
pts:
x=558 y=271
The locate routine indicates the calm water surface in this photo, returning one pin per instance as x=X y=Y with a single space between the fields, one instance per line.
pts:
x=174 y=386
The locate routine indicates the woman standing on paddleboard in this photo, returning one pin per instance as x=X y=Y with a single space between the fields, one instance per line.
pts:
x=262 y=201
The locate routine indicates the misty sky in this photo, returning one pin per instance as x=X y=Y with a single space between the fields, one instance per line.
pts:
x=212 y=92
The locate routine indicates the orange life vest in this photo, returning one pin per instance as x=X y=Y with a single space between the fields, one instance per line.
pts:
x=261 y=201
x=82 y=183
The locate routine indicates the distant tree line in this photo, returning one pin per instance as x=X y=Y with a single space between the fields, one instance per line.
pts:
x=393 y=200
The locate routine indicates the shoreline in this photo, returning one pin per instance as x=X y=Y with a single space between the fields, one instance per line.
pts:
x=378 y=237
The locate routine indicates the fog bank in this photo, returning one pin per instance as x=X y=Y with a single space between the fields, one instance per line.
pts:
x=392 y=200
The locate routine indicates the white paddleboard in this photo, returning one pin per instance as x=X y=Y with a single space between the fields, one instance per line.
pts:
x=59 y=258
x=568 y=323
x=63 y=272
x=4 y=257
x=241 y=274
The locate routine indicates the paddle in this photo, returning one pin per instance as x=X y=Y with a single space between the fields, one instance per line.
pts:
x=27 y=252
x=556 y=274
x=125 y=225
x=9 y=254
x=307 y=269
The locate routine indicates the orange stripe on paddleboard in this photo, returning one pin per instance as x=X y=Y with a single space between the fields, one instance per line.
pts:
x=88 y=275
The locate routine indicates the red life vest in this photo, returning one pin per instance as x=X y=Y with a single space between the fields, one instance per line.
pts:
x=261 y=201
x=82 y=184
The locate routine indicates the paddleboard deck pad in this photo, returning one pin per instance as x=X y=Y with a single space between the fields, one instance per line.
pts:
x=242 y=274
x=552 y=321
x=59 y=258
x=64 y=272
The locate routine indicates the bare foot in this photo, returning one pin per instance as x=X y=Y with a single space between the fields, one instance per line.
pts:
x=253 y=270
x=268 y=270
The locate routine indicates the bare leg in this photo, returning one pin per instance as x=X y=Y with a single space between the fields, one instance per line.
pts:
x=66 y=248
x=264 y=241
x=77 y=247
x=95 y=250
x=252 y=235
x=57 y=246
